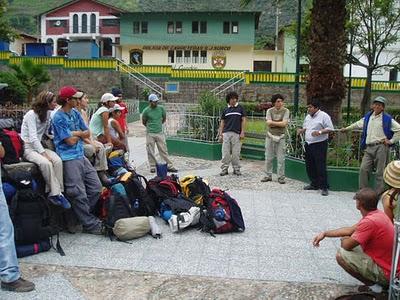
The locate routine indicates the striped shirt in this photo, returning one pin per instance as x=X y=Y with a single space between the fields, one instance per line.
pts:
x=232 y=116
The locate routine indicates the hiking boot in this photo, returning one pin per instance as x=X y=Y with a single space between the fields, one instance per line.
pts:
x=60 y=200
x=266 y=179
x=172 y=170
x=99 y=230
x=237 y=173
x=20 y=286
x=310 y=188
x=282 y=180
x=324 y=192
x=152 y=170
x=223 y=173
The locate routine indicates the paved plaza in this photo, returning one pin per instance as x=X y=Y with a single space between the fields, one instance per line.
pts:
x=272 y=259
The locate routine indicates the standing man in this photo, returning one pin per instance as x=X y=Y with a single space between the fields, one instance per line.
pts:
x=275 y=143
x=81 y=183
x=316 y=127
x=153 y=117
x=10 y=275
x=366 y=247
x=231 y=131
x=380 y=131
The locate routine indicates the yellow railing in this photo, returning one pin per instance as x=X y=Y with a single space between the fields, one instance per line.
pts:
x=376 y=85
x=90 y=63
x=5 y=55
x=153 y=69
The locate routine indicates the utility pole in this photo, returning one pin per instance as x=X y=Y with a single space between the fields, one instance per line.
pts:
x=297 y=77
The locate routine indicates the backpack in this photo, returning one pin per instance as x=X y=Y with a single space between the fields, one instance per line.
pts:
x=141 y=203
x=30 y=215
x=195 y=188
x=222 y=214
x=160 y=188
x=12 y=144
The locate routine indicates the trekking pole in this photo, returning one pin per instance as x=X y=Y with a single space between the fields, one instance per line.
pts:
x=394 y=284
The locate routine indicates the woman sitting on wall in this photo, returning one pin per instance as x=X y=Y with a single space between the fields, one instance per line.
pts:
x=35 y=124
x=391 y=176
x=116 y=132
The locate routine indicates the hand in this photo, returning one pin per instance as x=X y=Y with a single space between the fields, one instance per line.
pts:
x=220 y=138
x=318 y=238
x=47 y=156
x=300 y=131
x=343 y=129
x=108 y=145
x=315 y=133
x=387 y=142
x=96 y=147
x=241 y=135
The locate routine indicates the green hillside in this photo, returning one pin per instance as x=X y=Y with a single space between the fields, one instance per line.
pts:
x=22 y=13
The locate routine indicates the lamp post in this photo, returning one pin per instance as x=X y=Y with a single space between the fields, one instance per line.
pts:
x=297 y=77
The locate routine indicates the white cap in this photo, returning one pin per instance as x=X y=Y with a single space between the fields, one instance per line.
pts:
x=108 y=97
x=153 y=98
x=116 y=107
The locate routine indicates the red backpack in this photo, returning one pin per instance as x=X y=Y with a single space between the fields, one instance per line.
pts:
x=12 y=144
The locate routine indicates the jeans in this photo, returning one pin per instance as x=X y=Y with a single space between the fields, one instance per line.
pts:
x=9 y=270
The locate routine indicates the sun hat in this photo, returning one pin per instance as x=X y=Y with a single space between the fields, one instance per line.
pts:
x=379 y=99
x=153 y=98
x=116 y=107
x=391 y=175
x=69 y=92
x=108 y=97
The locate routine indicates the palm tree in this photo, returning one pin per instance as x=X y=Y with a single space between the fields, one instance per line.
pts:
x=31 y=75
x=327 y=54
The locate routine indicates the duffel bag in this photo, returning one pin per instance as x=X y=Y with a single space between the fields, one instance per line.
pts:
x=131 y=228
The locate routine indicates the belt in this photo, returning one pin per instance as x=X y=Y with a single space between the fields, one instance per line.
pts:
x=374 y=144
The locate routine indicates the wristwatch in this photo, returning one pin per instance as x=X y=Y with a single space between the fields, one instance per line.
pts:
x=320 y=132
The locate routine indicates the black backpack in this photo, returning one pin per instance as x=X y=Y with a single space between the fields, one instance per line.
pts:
x=30 y=214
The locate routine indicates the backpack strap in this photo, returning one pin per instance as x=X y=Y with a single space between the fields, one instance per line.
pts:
x=58 y=247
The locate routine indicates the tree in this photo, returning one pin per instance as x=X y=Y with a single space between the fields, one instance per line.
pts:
x=327 y=54
x=375 y=26
x=31 y=76
x=7 y=33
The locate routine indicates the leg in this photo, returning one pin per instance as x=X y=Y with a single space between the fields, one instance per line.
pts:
x=92 y=184
x=162 y=149
x=320 y=164
x=367 y=164
x=226 y=151
x=57 y=168
x=310 y=165
x=74 y=180
x=46 y=168
x=269 y=156
x=9 y=270
x=280 y=156
x=236 y=146
x=381 y=160
x=101 y=157
x=150 y=143
x=341 y=262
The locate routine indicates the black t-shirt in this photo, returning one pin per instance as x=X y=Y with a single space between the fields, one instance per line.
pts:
x=232 y=117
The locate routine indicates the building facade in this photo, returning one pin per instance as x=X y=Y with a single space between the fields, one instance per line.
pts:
x=81 y=20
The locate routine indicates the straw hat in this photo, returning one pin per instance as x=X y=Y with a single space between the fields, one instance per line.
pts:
x=391 y=175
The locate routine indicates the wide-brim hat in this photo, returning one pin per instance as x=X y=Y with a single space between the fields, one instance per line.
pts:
x=391 y=175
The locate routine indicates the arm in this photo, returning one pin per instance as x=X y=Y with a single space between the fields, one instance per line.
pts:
x=396 y=129
x=221 y=127
x=327 y=126
x=243 y=127
x=144 y=118
x=104 y=116
x=30 y=122
x=164 y=116
x=2 y=152
x=118 y=129
x=282 y=123
x=356 y=125
x=340 y=232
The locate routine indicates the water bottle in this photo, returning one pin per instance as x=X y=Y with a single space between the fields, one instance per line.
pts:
x=219 y=214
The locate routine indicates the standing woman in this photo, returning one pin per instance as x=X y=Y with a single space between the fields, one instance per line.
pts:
x=35 y=124
x=99 y=123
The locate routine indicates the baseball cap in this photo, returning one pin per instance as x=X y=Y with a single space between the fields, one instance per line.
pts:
x=116 y=92
x=380 y=99
x=108 y=97
x=69 y=92
x=116 y=107
x=153 y=98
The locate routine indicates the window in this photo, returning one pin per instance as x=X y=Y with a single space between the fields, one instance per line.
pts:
x=170 y=27
x=110 y=22
x=178 y=56
x=178 y=27
x=262 y=66
x=187 y=57
x=195 y=27
x=203 y=57
x=195 y=56
x=92 y=23
x=84 y=23
x=75 y=23
x=230 y=27
x=140 y=27
x=171 y=54
x=172 y=87
x=203 y=27
x=393 y=74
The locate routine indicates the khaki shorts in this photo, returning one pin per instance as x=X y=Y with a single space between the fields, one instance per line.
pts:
x=363 y=264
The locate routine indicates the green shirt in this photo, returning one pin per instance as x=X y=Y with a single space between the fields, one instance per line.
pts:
x=154 y=117
x=96 y=125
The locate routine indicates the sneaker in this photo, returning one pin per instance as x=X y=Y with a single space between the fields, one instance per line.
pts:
x=60 y=200
x=20 y=286
x=99 y=230
x=172 y=170
x=266 y=179
x=237 y=173
x=223 y=173
x=310 y=188
x=324 y=192
x=281 y=180
x=152 y=170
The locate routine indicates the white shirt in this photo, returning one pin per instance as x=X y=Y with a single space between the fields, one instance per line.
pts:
x=32 y=130
x=319 y=121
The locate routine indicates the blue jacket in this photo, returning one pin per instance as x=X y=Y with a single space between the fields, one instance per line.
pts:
x=386 y=124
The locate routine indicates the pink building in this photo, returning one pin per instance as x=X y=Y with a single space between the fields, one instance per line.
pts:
x=81 y=20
